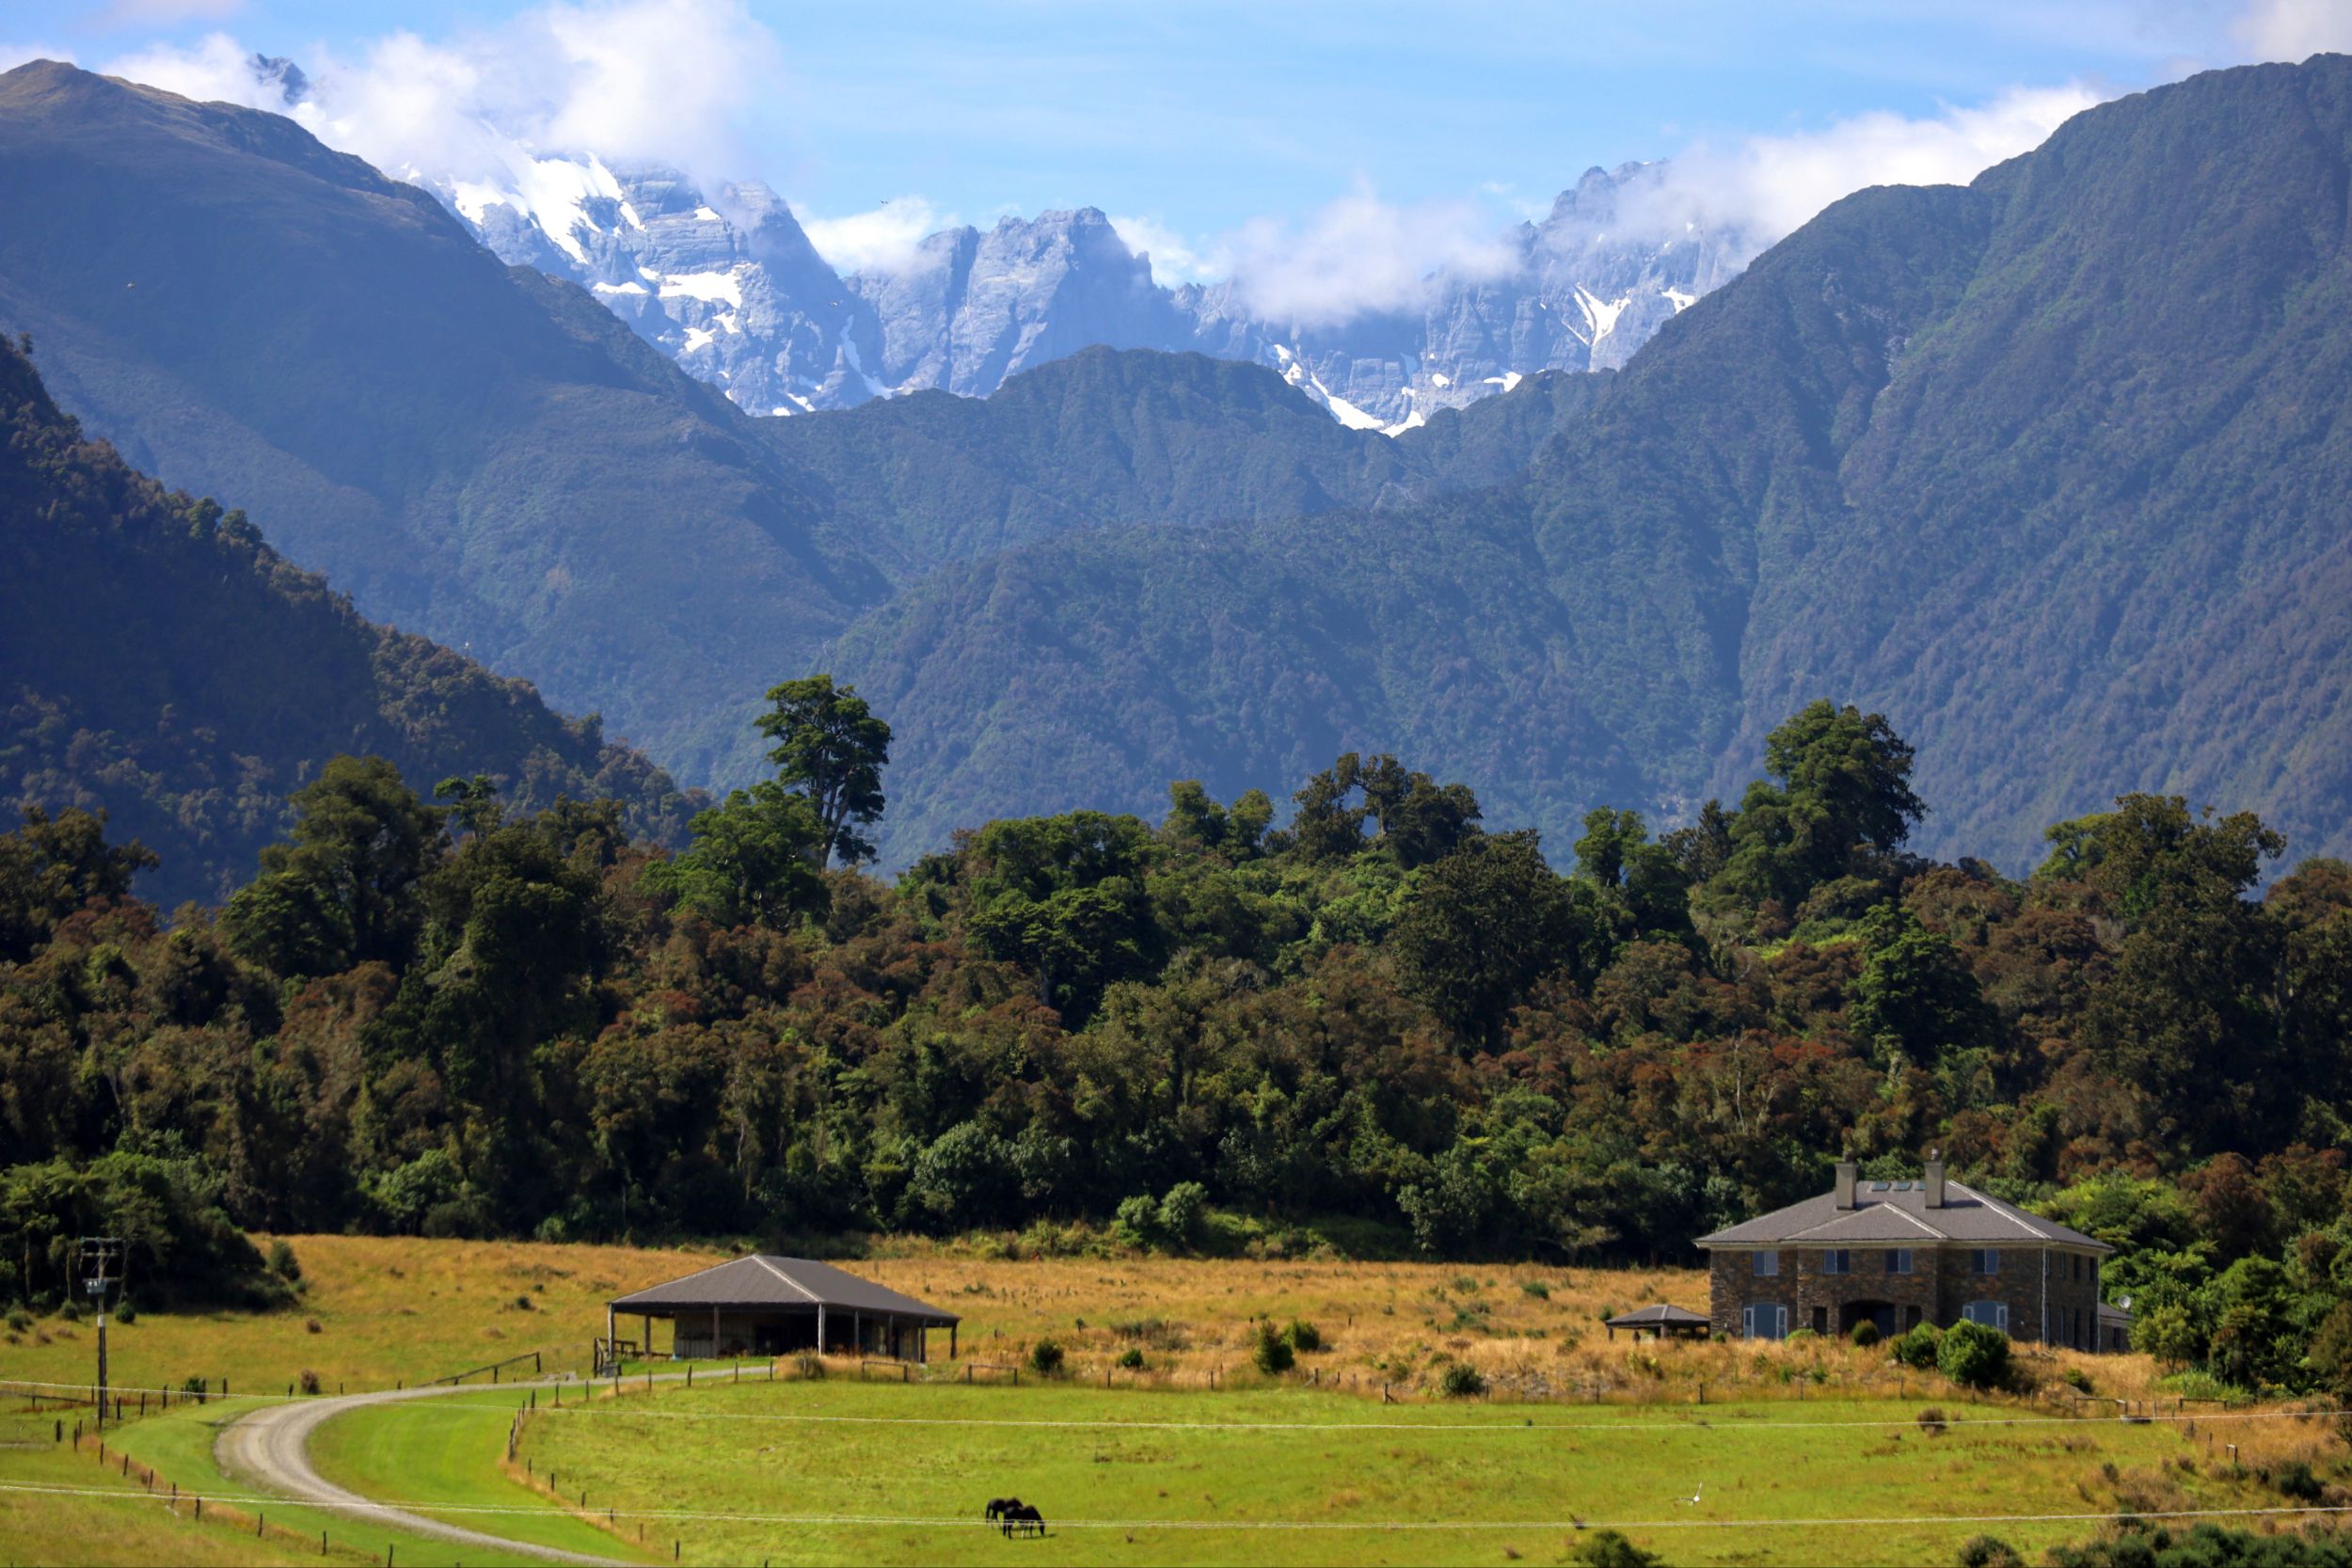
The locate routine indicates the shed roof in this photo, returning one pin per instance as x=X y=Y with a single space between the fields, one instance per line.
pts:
x=1896 y=1213
x=1658 y=1315
x=761 y=1280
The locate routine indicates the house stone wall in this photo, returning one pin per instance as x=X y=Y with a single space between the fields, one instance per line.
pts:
x=1939 y=1287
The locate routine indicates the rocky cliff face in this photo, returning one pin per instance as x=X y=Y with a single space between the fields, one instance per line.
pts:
x=729 y=286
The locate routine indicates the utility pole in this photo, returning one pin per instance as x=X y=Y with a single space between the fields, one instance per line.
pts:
x=98 y=1257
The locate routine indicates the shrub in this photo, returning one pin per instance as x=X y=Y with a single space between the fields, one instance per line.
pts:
x=1973 y=1356
x=524 y=1304
x=1932 y=1421
x=196 y=1386
x=2169 y=1334
x=310 y=1381
x=1917 y=1348
x=126 y=1314
x=311 y=1325
x=282 y=1263
x=19 y=1319
x=1866 y=1334
x=1181 y=1210
x=1536 y=1288
x=2295 y=1480
x=1461 y=1381
x=1272 y=1353
x=2076 y=1379
x=1132 y=1358
x=1045 y=1357
x=1137 y=1222
x=1801 y=1337
x=1305 y=1338
x=1609 y=1548
x=70 y=1311
x=1989 y=1551
x=808 y=1363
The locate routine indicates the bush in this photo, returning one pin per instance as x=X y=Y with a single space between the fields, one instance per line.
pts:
x=1461 y=1381
x=1536 y=1288
x=1989 y=1551
x=809 y=1365
x=1932 y=1421
x=1609 y=1548
x=1305 y=1338
x=282 y=1263
x=1801 y=1337
x=2170 y=1335
x=1272 y=1355
x=2076 y=1379
x=1866 y=1334
x=1045 y=1357
x=1132 y=1358
x=310 y=1381
x=2295 y=1480
x=1181 y=1210
x=126 y=1314
x=20 y=1319
x=1137 y=1223
x=1917 y=1348
x=1973 y=1356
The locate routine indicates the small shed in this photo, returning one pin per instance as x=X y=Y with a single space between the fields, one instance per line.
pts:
x=766 y=1305
x=1659 y=1321
x=2115 y=1328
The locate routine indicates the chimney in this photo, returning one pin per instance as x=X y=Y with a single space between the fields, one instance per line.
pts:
x=1846 y=1174
x=1935 y=1177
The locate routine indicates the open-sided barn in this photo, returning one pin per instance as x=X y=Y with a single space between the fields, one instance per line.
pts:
x=765 y=1306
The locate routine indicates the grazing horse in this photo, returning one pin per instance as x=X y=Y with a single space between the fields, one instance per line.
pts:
x=999 y=1506
x=1023 y=1517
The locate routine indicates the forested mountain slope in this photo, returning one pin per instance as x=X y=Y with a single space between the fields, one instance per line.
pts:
x=486 y=455
x=160 y=662
x=474 y=452
x=2052 y=468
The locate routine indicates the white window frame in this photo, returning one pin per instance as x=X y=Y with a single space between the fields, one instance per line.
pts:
x=1765 y=1262
x=1991 y=1314
x=1764 y=1319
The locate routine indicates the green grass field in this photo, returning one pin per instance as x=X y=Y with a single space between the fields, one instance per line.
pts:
x=1149 y=1477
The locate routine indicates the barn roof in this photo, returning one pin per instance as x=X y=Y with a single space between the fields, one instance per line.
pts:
x=1658 y=1315
x=1897 y=1214
x=761 y=1280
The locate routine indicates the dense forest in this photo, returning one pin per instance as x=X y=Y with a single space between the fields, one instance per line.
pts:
x=1372 y=1021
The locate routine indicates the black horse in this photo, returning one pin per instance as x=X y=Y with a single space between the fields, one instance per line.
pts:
x=999 y=1506
x=1023 y=1518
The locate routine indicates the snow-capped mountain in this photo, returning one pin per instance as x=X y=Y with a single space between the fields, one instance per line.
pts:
x=729 y=286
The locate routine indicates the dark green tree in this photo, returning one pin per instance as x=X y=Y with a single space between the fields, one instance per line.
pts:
x=830 y=749
x=1482 y=925
x=751 y=862
x=1916 y=998
x=1842 y=806
x=346 y=889
x=51 y=866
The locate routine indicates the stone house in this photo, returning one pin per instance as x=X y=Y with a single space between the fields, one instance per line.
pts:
x=1900 y=1253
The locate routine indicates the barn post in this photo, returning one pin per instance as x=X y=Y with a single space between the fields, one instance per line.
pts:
x=714 y=1329
x=650 y=1337
x=609 y=1331
x=857 y=1332
x=951 y=1341
x=821 y=1328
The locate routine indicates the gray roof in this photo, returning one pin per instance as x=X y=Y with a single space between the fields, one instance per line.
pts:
x=764 y=1281
x=1655 y=1315
x=1896 y=1213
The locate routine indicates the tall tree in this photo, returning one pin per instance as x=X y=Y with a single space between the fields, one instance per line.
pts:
x=830 y=749
x=347 y=890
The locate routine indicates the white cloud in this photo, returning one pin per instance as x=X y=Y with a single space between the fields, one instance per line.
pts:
x=1360 y=255
x=1174 y=258
x=629 y=80
x=1767 y=186
x=882 y=240
x=2294 y=29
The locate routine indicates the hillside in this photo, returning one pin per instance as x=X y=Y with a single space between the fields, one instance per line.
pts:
x=163 y=663
x=2049 y=469
x=474 y=452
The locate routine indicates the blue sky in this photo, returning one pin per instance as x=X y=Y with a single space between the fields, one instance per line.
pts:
x=1206 y=124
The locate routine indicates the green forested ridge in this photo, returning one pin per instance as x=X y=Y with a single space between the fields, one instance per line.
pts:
x=1379 y=1012
x=2052 y=468
x=158 y=662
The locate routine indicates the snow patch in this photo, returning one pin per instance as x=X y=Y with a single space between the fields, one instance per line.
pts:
x=1600 y=315
x=707 y=215
x=1681 y=301
x=1438 y=378
x=630 y=288
x=696 y=337
x=705 y=286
